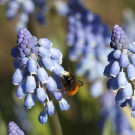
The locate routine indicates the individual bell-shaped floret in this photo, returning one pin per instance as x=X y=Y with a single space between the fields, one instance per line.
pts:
x=30 y=84
x=107 y=70
x=32 y=66
x=119 y=97
x=115 y=68
x=16 y=64
x=63 y=104
x=125 y=103
x=58 y=69
x=55 y=53
x=57 y=95
x=97 y=88
x=133 y=59
x=43 y=117
x=117 y=54
x=51 y=85
x=44 y=52
x=112 y=84
x=122 y=80
x=124 y=61
x=29 y=101
x=21 y=92
x=28 y=6
x=127 y=91
x=42 y=75
x=132 y=47
x=132 y=103
x=24 y=60
x=133 y=114
x=45 y=42
x=50 y=108
x=48 y=63
x=41 y=95
x=111 y=57
x=17 y=77
x=131 y=72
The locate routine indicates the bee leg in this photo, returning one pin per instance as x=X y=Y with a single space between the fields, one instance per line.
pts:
x=60 y=89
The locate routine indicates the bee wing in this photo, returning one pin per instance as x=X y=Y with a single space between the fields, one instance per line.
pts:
x=80 y=83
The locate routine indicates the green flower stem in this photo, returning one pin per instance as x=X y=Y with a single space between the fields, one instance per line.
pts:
x=55 y=124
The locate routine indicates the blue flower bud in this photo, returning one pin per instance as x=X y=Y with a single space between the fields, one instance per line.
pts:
x=29 y=101
x=63 y=104
x=127 y=91
x=30 y=84
x=112 y=84
x=41 y=95
x=32 y=66
x=17 y=77
x=42 y=75
x=119 y=97
x=14 y=52
x=124 y=61
x=44 y=52
x=125 y=103
x=55 y=53
x=57 y=95
x=133 y=59
x=23 y=18
x=97 y=89
x=16 y=64
x=132 y=103
x=117 y=54
x=132 y=47
x=24 y=60
x=45 y=42
x=122 y=80
x=51 y=85
x=107 y=70
x=43 y=117
x=59 y=61
x=48 y=63
x=133 y=114
x=111 y=57
x=50 y=108
x=21 y=92
x=28 y=6
x=131 y=72
x=58 y=69
x=115 y=68
x=70 y=38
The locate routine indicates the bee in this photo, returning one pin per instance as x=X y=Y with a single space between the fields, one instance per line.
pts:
x=70 y=84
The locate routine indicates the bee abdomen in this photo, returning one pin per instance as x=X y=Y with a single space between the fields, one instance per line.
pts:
x=72 y=92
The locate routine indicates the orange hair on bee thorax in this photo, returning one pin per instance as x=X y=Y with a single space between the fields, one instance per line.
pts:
x=72 y=92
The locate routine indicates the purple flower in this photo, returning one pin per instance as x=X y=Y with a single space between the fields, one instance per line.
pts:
x=32 y=77
x=121 y=67
x=13 y=129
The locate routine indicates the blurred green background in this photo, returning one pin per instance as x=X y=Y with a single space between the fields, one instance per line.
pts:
x=83 y=114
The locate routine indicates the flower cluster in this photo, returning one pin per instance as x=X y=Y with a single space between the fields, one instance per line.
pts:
x=13 y=129
x=29 y=7
x=121 y=68
x=88 y=38
x=32 y=56
x=111 y=112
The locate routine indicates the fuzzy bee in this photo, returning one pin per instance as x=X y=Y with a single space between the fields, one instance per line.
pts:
x=70 y=84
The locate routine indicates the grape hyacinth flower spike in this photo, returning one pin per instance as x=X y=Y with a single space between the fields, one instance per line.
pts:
x=33 y=60
x=13 y=129
x=121 y=68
